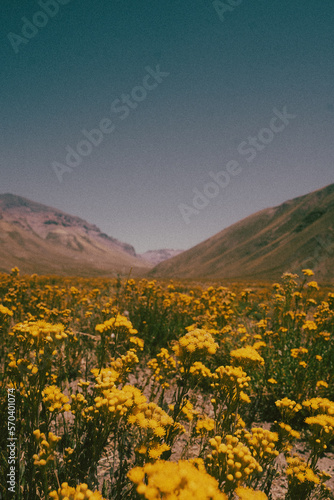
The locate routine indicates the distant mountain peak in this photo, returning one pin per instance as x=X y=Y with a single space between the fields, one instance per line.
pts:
x=156 y=256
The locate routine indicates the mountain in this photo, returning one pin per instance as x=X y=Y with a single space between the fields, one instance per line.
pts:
x=154 y=257
x=40 y=239
x=295 y=235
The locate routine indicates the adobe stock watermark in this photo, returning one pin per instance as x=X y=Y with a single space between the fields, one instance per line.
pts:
x=248 y=149
x=39 y=20
x=227 y=6
x=11 y=439
x=122 y=108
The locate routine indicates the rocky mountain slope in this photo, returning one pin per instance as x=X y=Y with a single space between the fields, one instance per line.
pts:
x=40 y=239
x=295 y=235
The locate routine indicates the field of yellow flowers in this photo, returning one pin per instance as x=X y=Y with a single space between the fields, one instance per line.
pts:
x=137 y=389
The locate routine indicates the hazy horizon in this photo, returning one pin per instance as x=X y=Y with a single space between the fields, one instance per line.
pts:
x=164 y=248
x=174 y=94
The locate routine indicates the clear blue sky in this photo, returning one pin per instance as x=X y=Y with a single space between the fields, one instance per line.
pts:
x=222 y=75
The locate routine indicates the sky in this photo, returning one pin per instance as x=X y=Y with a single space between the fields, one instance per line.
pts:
x=165 y=122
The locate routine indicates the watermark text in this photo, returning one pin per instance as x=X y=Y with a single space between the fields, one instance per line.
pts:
x=248 y=149
x=11 y=441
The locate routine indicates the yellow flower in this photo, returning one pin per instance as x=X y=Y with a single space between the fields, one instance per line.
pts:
x=262 y=443
x=163 y=367
x=54 y=399
x=247 y=357
x=323 y=429
x=157 y=450
x=322 y=383
x=170 y=480
x=300 y=472
x=298 y=352
x=80 y=492
x=233 y=458
x=309 y=325
x=249 y=494
x=288 y=408
x=46 y=448
x=194 y=344
x=5 y=311
x=308 y=272
x=229 y=382
x=205 y=425
x=198 y=370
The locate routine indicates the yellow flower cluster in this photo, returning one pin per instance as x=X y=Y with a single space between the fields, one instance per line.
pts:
x=298 y=471
x=204 y=426
x=105 y=378
x=229 y=381
x=249 y=494
x=120 y=324
x=115 y=403
x=156 y=424
x=199 y=371
x=313 y=284
x=325 y=335
x=67 y=454
x=262 y=324
x=322 y=383
x=163 y=367
x=247 y=357
x=288 y=280
x=309 y=325
x=55 y=400
x=78 y=403
x=322 y=430
x=117 y=371
x=308 y=272
x=288 y=408
x=137 y=342
x=187 y=410
x=286 y=435
x=233 y=459
x=15 y=271
x=47 y=448
x=22 y=365
x=39 y=332
x=5 y=311
x=80 y=492
x=195 y=344
x=320 y=405
x=153 y=450
x=295 y=353
x=172 y=481
x=151 y=416
x=125 y=363
x=261 y=442
x=259 y=344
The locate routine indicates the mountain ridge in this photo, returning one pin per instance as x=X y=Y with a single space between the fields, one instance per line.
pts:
x=265 y=244
x=41 y=239
x=297 y=233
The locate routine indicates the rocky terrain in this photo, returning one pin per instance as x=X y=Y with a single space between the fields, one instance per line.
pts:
x=40 y=239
